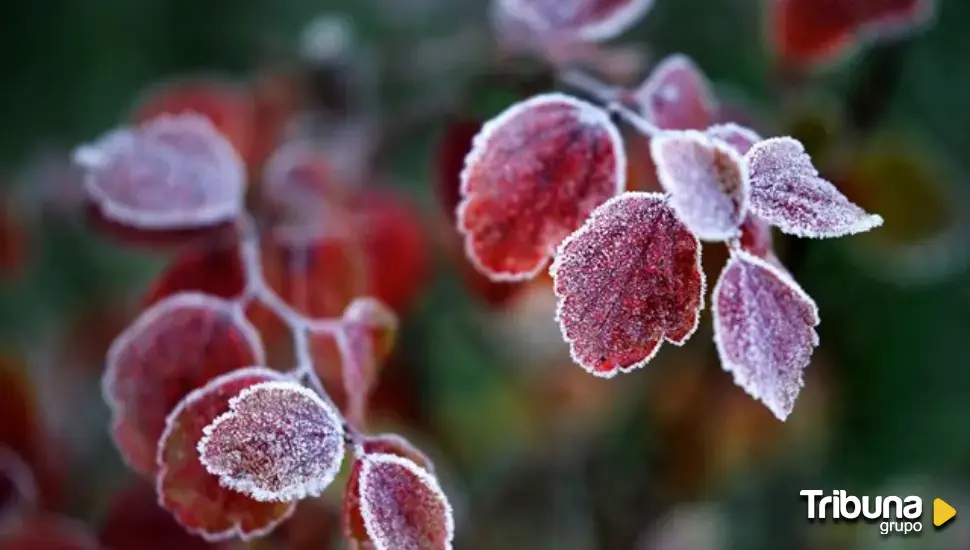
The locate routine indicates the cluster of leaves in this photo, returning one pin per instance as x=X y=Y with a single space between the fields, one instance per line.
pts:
x=231 y=444
x=546 y=179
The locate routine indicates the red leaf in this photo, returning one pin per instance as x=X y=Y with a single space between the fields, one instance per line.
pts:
x=534 y=175
x=193 y=496
x=402 y=505
x=396 y=245
x=228 y=106
x=174 y=347
x=393 y=444
x=279 y=441
x=707 y=181
x=173 y=173
x=588 y=20
x=153 y=239
x=764 y=330
x=450 y=161
x=316 y=278
x=814 y=32
x=677 y=95
x=787 y=192
x=135 y=521
x=739 y=137
x=756 y=237
x=365 y=338
x=214 y=270
x=628 y=280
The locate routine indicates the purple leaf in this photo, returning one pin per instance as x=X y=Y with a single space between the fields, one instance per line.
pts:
x=787 y=192
x=764 y=329
x=707 y=181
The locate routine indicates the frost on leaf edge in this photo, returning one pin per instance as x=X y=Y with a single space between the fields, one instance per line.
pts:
x=587 y=113
x=738 y=255
x=615 y=24
x=236 y=531
x=867 y=223
x=313 y=489
x=560 y=299
x=711 y=142
x=148 y=317
x=370 y=521
x=90 y=156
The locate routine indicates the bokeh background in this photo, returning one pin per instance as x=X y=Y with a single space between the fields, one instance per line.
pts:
x=534 y=453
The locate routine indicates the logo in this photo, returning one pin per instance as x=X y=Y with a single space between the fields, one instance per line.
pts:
x=895 y=515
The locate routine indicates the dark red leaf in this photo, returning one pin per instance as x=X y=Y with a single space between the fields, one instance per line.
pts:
x=193 y=496
x=787 y=192
x=450 y=161
x=278 y=442
x=756 y=237
x=589 y=20
x=173 y=347
x=677 y=95
x=534 y=175
x=764 y=328
x=135 y=521
x=629 y=279
x=402 y=505
x=396 y=245
x=707 y=181
x=216 y=270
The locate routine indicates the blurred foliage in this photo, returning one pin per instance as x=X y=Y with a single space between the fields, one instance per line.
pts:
x=895 y=371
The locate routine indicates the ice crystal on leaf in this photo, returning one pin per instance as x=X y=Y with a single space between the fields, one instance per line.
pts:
x=677 y=95
x=173 y=172
x=764 y=327
x=194 y=496
x=533 y=176
x=279 y=441
x=588 y=20
x=707 y=181
x=353 y=521
x=172 y=348
x=787 y=192
x=629 y=279
x=402 y=505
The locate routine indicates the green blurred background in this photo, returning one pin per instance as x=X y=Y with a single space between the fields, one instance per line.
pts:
x=534 y=453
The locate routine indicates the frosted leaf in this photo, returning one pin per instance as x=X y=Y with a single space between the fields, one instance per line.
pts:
x=172 y=348
x=764 y=329
x=629 y=279
x=707 y=181
x=366 y=336
x=173 y=172
x=192 y=495
x=403 y=506
x=677 y=95
x=393 y=444
x=787 y=192
x=534 y=174
x=587 y=20
x=739 y=137
x=279 y=441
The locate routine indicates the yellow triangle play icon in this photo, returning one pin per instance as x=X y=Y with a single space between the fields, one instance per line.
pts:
x=942 y=512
